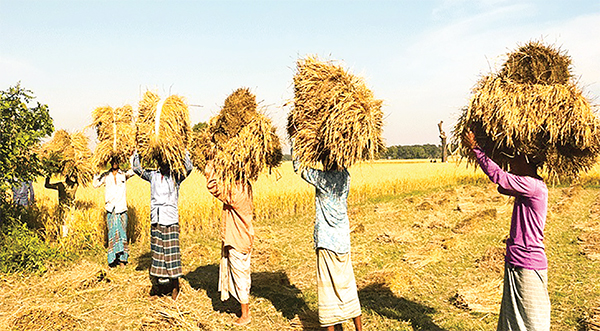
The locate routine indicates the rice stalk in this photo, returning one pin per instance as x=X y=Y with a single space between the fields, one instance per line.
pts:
x=335 y=120
x=554 y=125
x=68 y=155
x=169 y=143
x=115 y=131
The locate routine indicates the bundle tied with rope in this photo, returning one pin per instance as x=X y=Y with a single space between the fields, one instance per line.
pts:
x=68 y=155
x=163 y=131
x=116 y=134
x=241 y=141
x=335 y=120
x=533 y=107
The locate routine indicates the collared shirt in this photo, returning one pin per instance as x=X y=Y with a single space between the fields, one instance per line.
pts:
x=115 y=193
x=23 y=193
x=525 y=247
x=164 y=191
x=236 y=221
x=332 y=227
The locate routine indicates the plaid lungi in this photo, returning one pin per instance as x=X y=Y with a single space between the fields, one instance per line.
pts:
x=525 y=302
x=166 y=257
x=117 y=236
x=336 y=288
x=234 y=275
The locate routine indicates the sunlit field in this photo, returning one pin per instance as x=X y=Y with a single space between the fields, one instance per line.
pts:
x=427 y=243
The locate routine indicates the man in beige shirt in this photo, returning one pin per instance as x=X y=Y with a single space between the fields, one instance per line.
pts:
x=237 y=235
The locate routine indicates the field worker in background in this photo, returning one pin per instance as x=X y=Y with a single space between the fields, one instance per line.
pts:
x=525 y=302
x=66 y=199
x=164 y=234
x=237 y=235
x=23 y=194
x=336 y=286
x=115 y=203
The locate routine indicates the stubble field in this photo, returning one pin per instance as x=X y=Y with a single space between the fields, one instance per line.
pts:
x=427 y=251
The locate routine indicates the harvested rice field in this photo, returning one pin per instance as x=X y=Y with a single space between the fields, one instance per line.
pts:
x=427 y=250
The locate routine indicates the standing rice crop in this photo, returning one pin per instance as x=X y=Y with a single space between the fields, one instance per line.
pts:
x=163 y=132
x=335 y=119
x=116 y=134
x=68 y=154
x=533 y=107
x=241 y=141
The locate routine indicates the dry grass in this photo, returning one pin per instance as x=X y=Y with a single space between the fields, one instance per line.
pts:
x=68 y=155
x=163 y=134
x=335 y=120
x=240 y=140
x=116 y=134
x=553 y=124
x=407 y=267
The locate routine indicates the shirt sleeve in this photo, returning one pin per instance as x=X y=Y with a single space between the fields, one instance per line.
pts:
x=31 y=193
x=212 y=184
x=129 y=174
x=188 y=167
x=137 y=167
x=98 y=180
x=508 y=183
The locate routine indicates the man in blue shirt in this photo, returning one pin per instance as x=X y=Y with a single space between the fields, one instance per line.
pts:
x=23 y=194
x=336 y=286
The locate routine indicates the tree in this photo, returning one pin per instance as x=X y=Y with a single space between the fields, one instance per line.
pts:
x=22 y=125
x=199 y=127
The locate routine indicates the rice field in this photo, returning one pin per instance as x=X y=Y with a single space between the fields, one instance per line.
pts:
x=427 y=243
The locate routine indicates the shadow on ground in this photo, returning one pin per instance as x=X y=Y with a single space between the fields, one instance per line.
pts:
x=380 y=299
x=144 y=262
x=273 y=286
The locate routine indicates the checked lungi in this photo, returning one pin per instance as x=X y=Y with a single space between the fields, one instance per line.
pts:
x=166 y=256
x=336 y=288
x=234 y=275
x=525 y=302
x=117 y=236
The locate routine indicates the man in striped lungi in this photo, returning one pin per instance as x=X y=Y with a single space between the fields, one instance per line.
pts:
x=164 y=234
x=336 y=286
x=525 y=302
x=115 y=197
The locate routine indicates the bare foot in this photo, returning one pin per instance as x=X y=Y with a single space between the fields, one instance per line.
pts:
x=243 y=320
x=175 y=292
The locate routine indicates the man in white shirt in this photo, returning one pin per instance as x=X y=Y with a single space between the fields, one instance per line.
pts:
x=115 y=197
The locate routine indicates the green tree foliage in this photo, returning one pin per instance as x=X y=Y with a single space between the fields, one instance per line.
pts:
x=199 y=126
x=428 y=151
x=22 y=124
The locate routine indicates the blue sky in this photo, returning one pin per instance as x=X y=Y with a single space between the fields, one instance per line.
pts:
x=421 y=57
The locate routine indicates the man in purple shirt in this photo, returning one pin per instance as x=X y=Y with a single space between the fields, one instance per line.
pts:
x=525 y=302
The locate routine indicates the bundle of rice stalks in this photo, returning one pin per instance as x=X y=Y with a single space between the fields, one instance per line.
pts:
x=240 y=140
x=163 y=133
x=116 y=134
x=68 y=155
x=532 y=107
x=335 y=120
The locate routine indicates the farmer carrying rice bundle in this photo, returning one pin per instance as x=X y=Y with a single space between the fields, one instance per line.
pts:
x=233 y=150
x=67 y=155
x=528 y=116
x=116 y=133
x=335 y=122
x=162 y=137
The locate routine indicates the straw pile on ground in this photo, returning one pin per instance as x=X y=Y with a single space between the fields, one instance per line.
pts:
x=68 y=155
x=116 y=134
x=533 y=107
x=241 y=141
x=335 y=120
x=163 y=133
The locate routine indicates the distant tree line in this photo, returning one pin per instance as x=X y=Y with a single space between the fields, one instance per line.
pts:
x=427 y=151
